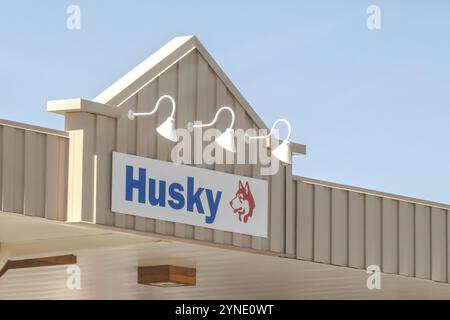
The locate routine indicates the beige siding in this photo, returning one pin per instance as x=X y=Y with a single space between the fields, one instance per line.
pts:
x=199 y=92
x=291 y=217
x=390 y=235
x=398 y=234
x=33 y=170
x=305 y=221
x=308 y=219
x=339 y=225
x=439 y=231
x=406 y=239
x=322 y=224
x=356 y=229
x=373 y=230
x=423 y=241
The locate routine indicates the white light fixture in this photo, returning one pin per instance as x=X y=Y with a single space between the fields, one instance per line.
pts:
x=226 y=139
x=167 y=128
x=283 y=151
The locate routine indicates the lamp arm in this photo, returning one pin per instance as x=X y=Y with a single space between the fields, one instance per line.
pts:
x=273 y=128
x=157 y=106
x=215 y=118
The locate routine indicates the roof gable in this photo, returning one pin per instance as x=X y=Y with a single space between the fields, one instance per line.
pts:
x=157 y=66
x=171 y=53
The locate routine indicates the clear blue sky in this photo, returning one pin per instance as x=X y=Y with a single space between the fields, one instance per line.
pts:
x=372 y=106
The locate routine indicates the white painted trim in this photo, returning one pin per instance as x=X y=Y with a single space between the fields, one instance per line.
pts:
x=29 y=127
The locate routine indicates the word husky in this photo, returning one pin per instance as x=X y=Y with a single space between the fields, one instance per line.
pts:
x=243 y=203
x=175 y=195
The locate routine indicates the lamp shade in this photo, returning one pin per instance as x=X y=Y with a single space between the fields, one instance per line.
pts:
x=167 y=129
x=283 y=152
x=226 y=140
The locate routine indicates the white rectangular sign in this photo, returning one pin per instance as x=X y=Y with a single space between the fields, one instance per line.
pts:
x=178 y=193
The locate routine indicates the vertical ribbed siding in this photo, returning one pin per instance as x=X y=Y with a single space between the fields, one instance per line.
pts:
x=186 y=109
x=390 y=235
x=357 y=229
x=209 y=93
x=439 y=236
x=311 y=221
x=199 y=93
x=33 y=172
x=339 y=225
x=322 y=224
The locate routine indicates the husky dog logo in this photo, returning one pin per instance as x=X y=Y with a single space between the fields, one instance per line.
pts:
x=243 y=203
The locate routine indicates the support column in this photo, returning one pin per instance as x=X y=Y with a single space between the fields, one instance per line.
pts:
x=80 y=123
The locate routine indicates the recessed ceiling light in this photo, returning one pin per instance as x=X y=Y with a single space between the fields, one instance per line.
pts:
x=167 y=276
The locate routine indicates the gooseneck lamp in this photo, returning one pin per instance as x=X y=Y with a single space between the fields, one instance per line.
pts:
x=226 y=139
x=283 y=151
x=167 y=128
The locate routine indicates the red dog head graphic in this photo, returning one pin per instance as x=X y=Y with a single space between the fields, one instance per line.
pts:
x=243 y=203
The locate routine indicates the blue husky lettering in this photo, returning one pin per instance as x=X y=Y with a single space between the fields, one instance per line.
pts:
x=175 y=194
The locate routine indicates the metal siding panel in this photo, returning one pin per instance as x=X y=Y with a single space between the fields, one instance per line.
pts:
x=356 y=256
x=121 y=146
x=8 y=169
x=205 y=111
x=290 y=202
x=51 y=177
x=221 y=99
x=63 y=166
x=131 y=142
x=423 y=242
x=257 y=242
x=406 y=239
x=277 y=211
x=2 y=155
x=167 y=84
x=248 y=170
x=224 y=98
x=105 y=145
x=187 y=99
x=339 y=224
x=305 y=221
x=146 y=138
x=41 y=167
x=390 y=235
x=19 y=170
x=448 y=246
x=373 y=231
x=34 y=180
x=322 y=224
x=243 y=122
x=439 y=244
x=238 y=169
x=150 y=225
x=30 y=172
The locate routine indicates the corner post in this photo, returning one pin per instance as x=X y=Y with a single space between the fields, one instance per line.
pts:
x=80 y=123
